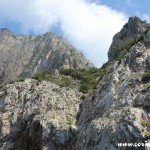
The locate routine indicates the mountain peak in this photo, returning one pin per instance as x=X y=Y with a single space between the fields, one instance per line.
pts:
x=38 y=114
x=134 y=27
x=29 y=55
x=5 y=31
x=130 y=34
x=134 y=19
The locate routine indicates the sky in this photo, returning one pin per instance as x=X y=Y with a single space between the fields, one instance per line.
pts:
x=89 y=25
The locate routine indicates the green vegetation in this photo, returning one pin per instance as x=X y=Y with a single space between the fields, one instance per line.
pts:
x=122 y=55
x=146 y=88
x=146 y=77
x=88 y=78
x=21 y=79
x=1 y=86
x=83 y=97
x=62 y=81
x=123 y=46
x=147 y=133
x=65 y=82
x=144 y=122
x=140 y=38
x=81 y=79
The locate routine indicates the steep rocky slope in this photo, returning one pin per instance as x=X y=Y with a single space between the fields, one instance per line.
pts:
x=118 y=110
x=30 y=55
x=36 y=115
x=41 y=115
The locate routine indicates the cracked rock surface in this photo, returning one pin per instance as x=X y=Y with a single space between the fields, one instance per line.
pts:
x=39 y=115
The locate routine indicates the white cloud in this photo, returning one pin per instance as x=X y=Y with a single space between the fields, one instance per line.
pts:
x=88 y=25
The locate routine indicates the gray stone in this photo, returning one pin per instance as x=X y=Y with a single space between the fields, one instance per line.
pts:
x=42 y=115
x=22 y=55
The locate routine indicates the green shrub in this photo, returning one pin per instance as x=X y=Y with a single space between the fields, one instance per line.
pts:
x=82 y=79
x=144 y=122
x=1 y=86
x=65 y=82
x=147 y=133
x=84 y=88
x=82 y=97
x=146 y=88
x=140 y=38
x=21 y=79
x=125 y=44
x=79 y=74
x=87 y=78
x=146 y=77
x=106 y=65
x=122 y=55
x=62 y=81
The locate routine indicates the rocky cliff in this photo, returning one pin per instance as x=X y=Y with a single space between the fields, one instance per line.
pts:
x=118 y=110
x=26 y=56
x=132 y=33
x=38 y=115
x=41 y=115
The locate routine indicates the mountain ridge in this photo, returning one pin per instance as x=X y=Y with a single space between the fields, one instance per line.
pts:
x=29 y=55
x=37 y=114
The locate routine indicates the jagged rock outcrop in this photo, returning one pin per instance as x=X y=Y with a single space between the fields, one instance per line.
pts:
x=37 y=115
x=132 y=32
x=29 y=55
x=117 y=111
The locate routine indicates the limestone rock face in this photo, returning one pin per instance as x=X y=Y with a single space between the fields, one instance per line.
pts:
x=118 y=110
x=41 y=115
x=29 y=55
x=37 y=115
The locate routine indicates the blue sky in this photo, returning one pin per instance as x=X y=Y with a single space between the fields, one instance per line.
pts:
x=130 y=7
x=87 y=24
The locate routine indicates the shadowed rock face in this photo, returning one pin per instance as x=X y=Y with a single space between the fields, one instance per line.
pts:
x=30 y=55
x=27 y=135
x=38 y=115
